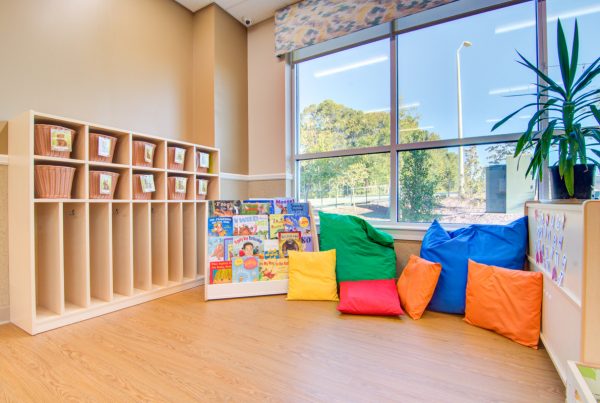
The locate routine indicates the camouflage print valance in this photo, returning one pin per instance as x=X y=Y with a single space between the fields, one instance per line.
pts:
x=313 y=21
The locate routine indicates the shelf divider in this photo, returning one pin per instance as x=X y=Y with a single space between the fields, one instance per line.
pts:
x=76 y=252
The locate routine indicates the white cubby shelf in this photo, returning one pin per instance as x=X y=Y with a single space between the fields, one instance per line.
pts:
x=76 y=258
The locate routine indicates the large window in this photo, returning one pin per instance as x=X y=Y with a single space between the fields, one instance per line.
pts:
x=399 y=128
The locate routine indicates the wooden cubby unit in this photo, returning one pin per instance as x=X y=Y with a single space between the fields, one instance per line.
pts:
x=77 y=258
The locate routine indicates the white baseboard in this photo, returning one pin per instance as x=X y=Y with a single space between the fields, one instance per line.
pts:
x=259 y=177
x=4 y=314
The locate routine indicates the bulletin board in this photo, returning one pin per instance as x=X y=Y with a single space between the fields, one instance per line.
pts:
x=247 y=241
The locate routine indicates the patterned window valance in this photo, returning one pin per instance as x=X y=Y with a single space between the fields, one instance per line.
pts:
x=313 y=21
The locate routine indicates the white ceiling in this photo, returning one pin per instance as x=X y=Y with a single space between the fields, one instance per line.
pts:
x=255 y=10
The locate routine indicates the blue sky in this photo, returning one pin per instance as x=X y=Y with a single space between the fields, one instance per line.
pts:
x=359 y=77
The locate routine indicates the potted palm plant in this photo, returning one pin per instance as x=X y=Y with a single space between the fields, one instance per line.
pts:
x=557 y=123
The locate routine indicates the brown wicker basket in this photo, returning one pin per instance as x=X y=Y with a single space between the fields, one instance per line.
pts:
x=53 y=181
x=173 y=194
x=201 y=196
x=138 y=192
x=98 y=191
x=141 y=157
x=171 y=157
x=43 y=141
x=95 y=139
x=199 y=168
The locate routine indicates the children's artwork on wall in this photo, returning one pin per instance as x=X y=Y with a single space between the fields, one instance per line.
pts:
x=247 y=245
x=549 y=250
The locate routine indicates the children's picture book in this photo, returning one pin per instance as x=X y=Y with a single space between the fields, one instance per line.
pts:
x=228 y=246
x=270 y=201
x=220 y=272
x=245 y=269
x=273 y=269
x=276 y=225
x=255 y=208
x=298 y=209
x=251 y=225
x=224 y=208
x=307 y=243
x=289 y=241
x=282 y=206
x=216 y=249
x=244 y=246
x=296 y=223
x=271 y=249
x=220 y=226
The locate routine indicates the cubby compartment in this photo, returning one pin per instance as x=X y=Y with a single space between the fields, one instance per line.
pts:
x=139 y=152
x=76 y=255
x=189 y=240
x=189 y=163
x=201 y=225
x=180 y=187
x=101 y=178
x=142 y=247
x=49 y=286
x=160 y=185
x=122 y=147
x=122 y=249
x=43 y=137
x=212 y=189
x=175 y=242
x=100 y=251
x=49 y=183
x=213 y=160
x=160 y=244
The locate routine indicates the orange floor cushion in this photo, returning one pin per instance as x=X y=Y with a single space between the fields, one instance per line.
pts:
x=508 y=302
x=417 y=284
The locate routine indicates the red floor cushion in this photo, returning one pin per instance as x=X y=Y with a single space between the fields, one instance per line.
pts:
x=369 y=297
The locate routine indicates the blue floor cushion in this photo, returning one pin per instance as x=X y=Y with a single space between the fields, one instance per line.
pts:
x=497 y=245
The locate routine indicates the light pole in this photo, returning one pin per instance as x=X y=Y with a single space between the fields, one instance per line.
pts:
x=461 y=164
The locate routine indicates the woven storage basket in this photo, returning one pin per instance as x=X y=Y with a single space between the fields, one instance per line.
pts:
x=95 y=184
x=53 y=181
x=139 y=153
x=198 y=167
x=138 y=192
x=42 y=142
x=200 y=196
x=171 y=158
x=173 y=195
x=94 y=147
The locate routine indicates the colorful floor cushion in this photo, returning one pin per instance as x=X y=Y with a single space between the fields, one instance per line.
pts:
x=363 y=253
x=369 y=297
x=312 y=276
x=417 y=284
x=509 y=302
x=499 y=245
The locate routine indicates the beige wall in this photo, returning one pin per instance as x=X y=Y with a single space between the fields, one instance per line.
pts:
x=266 y=102
x=121 y=63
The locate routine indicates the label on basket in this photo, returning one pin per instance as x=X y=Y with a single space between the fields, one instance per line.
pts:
x=104 y=146
x=105 y=184
x=180 y=185
x=148 y=153
x=202 y=186
x=147 y=182
x=204 y=160
x=60 y=140
x=179 y=157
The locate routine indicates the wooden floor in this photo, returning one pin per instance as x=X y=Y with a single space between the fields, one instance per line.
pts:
x=180 y=349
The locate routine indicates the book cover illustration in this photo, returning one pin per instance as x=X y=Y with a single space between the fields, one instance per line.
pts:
x=270 y=201
x=257 y=225
x=245 y=269
x=276 y=225
x=224 y=208
x=271 y=249
x=228 y=247
x=216 y=249
x=255 y=208
x=244 y=246
x=282 y=206
x=296 y=223
x=220 y=226
x=289 y=241
x=273 y=269
x=298 y=209
x=307 y=243
x=220 y=272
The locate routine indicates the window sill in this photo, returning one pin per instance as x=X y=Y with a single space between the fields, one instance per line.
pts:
x=407 y=232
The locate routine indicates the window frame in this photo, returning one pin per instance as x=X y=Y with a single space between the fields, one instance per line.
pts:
x=435 y=16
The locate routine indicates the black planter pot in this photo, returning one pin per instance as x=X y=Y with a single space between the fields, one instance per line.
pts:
x=584 y=182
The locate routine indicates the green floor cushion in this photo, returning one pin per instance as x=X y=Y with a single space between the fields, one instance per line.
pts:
x=363 y=253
